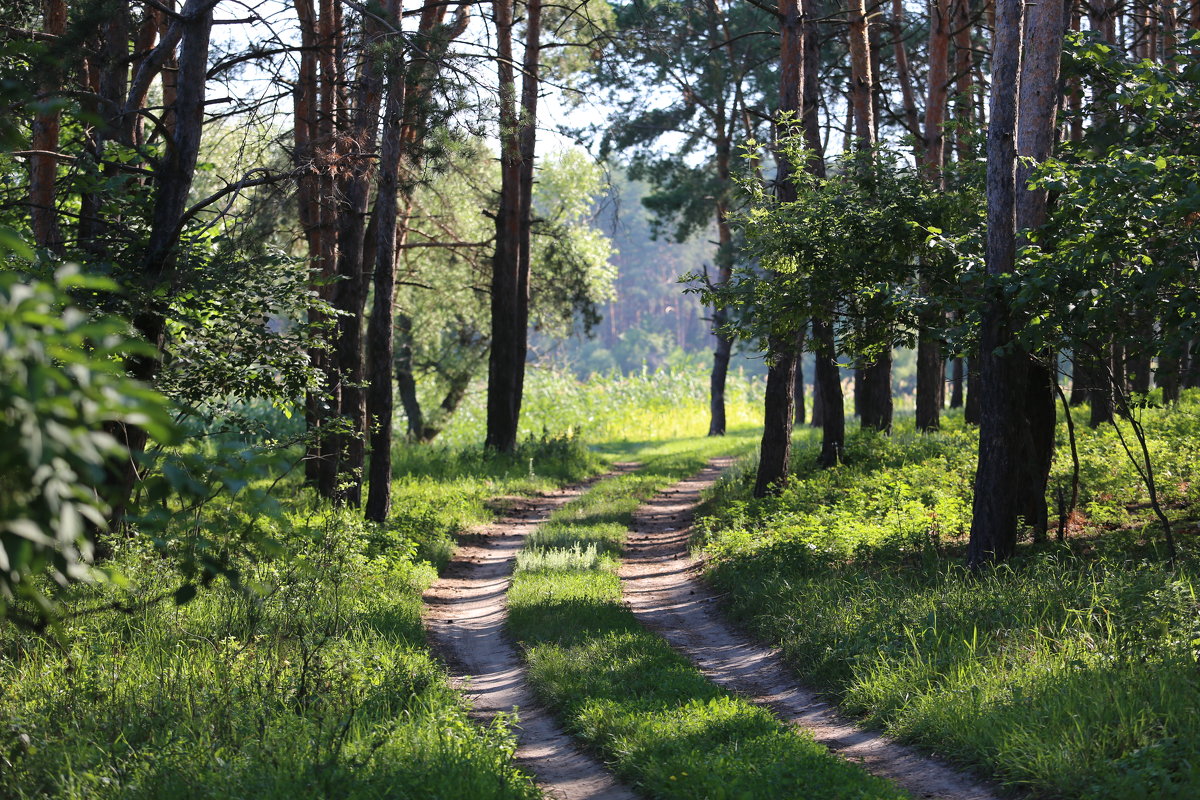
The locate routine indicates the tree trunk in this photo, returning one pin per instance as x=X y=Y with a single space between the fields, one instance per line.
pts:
x=971 y=406
x=379 y=332
x=903 y=77
x=406 y=383
x=930 y=369
x=798 y=390
x=956 y=382
x=930 y=377
x=776 y=448
x=860 y=389
x=877 y=394
x=833 y=415
x=817 y=419
x=43 y=165
x=172 y=183
x=1017 y=424
x=783 y=349
x=350 y=294
x=510 y=276
x=1167 y=376
x=861 y=82
x=938 y=83
x=724 y=348
x=1002 y=426
x=1101 y=394
x=1037 y=133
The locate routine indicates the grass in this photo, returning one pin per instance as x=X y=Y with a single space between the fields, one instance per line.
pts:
x=1070 y=671
x=622 y=690
x=320 y=686
x=314 y=678
x=608 y=410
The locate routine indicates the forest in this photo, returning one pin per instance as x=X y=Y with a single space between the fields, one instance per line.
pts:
x=610 y=399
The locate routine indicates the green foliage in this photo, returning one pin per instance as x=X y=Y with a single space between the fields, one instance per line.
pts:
x=1120 y=244
x=608 y=410
x=61 y=383
x=444 y=290
x=683 y=73
x=1070 y=671
x=623 y=690
x=317 y=683
x=239 y=333
x=570 y=262
x=852 y=249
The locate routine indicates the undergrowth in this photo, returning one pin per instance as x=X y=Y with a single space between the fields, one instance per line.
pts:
x=1070 y=670
x=317 y=684
x=623 y=690
x=311 y=678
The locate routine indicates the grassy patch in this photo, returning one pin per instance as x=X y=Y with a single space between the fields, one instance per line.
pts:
x=623 y=690
x=668 y=403
x=317 y=682
x=1071 y=670
x=319 y=686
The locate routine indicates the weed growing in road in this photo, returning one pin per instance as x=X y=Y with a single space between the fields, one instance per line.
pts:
x=623 y=690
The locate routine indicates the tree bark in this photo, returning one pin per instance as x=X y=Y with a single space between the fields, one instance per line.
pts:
x=43 y=165
x=904 y=78
x=1017 y=423
x=876 y=411
x=956 y=382
x=406 y=383
x=930 y=377
x=172 y=183
x=510 y=300
x=724 y=344
x=833 y=415
x=379 y=333
x=350 y=294
x=971 y=404
x=1037 y=133
x=1002 y=375
x=776 y=447
x=798 y=390
x=861 y=82
x=930 y=368
x=784 y=348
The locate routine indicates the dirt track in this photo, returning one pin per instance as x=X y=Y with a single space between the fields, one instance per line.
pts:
x=661 y=583
x=465 y=619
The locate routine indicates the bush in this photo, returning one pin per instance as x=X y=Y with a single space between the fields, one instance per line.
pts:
x=61 y=383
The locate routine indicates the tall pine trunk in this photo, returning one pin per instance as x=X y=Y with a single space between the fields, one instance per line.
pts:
x=510 y=271
x=1002 y=374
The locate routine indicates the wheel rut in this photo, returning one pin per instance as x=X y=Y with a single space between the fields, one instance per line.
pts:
x=661 y=584
x=464 y=617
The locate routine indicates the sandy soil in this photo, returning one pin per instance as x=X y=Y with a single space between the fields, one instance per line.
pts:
x=465 y=620
x=661 y=583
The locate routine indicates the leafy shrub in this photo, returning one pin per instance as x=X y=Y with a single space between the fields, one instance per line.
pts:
x=61 y=383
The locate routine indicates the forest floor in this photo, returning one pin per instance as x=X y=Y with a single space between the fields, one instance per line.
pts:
x=1068 y=673
x=572 y=647
x=465 y=618
x=663 y=585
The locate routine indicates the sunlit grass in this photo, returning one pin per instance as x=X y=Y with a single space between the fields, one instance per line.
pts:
x=1072 y=670
x=314 y=680
x=623 y=690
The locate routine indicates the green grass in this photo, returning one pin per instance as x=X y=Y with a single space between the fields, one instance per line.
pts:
x=622 y=690
x=319 y=687
x=317 y=681
x=1070 y=671
x=646 y=406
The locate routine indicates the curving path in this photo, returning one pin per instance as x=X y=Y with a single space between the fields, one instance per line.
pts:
x=465 y=613
x=662 y=585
